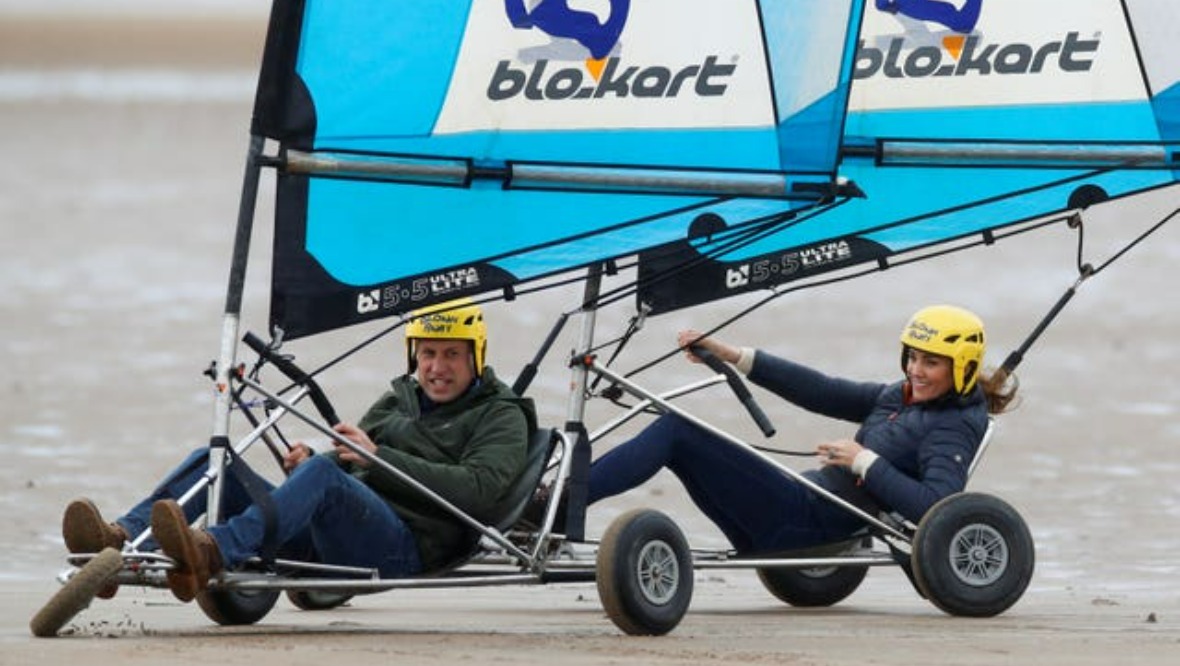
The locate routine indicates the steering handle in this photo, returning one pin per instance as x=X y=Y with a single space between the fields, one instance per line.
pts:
x=737 y=386
x=295 y=374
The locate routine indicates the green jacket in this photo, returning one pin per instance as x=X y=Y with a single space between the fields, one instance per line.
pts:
x=469 y=451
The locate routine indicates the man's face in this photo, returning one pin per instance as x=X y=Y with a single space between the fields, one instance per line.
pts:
x=445 y=368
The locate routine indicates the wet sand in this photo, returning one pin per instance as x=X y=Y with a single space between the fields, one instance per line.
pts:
x=117 y=211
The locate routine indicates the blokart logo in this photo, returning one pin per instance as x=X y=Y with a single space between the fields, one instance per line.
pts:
x=964 y=52
x=546 y=76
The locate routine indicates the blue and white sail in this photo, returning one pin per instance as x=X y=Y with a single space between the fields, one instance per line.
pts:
x=963 y=118
x=436 y=148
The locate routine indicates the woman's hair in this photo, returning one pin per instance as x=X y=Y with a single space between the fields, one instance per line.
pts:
x=999 y=388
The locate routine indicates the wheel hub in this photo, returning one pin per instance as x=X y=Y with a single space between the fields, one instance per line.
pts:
x=658 y=572
x=978 y=555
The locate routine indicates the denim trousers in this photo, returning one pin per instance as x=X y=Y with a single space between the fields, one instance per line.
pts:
x=754 y=504
x=323 y=513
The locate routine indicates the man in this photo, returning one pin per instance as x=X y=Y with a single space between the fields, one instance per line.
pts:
x=448 y=423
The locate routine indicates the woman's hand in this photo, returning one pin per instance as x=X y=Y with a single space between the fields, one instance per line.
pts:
x=840 y=452
x=358 y=437
x=721 y=350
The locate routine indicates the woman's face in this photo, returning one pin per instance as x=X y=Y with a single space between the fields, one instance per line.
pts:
x=930 y=375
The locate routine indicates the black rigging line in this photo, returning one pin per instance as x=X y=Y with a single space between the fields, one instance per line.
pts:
x=1085 y=272
x=754 y=231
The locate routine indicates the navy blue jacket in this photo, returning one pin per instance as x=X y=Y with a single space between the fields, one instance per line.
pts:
x=925 y=448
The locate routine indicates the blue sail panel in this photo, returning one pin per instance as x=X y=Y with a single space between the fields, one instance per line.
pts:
x=434 y=149
x=964 y=119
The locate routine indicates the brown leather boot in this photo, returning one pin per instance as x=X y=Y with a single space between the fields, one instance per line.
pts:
x=194 y=552
x=84 y=531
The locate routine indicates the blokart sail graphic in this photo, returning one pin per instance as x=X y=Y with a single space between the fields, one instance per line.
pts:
x=436 y=149
x=1038 y=111
x=558 y=19
x=959 y=19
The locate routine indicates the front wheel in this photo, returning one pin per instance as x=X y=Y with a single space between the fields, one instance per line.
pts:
x=972 y=555
x=644 y=573
x=77 y=593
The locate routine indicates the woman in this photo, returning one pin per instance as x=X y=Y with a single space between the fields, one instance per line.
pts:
x=916 y=440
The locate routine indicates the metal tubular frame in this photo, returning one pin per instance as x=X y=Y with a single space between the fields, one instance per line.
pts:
x=636 y=390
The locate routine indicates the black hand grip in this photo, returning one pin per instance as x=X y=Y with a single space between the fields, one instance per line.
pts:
x=295 y=374
x=737 y=385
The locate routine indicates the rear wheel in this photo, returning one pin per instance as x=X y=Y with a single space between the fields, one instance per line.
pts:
x=644 y=573
x=314 y=600
x=816 y=586
x=236 y=607
x=972 y=555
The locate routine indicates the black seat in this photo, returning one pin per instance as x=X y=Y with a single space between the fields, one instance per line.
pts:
x=513 y=503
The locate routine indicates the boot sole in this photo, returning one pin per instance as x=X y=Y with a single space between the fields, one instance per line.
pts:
x=172 y=532
x=83 y=531
x=82 y=528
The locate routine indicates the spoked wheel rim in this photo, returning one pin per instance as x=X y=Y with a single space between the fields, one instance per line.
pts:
x=978 y=555
x=658 y=572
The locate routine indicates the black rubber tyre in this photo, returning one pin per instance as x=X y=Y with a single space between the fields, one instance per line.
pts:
x=815 y=587
x=76 y=594
x=237 y=607
x=316 y=600
x=972 y=555
x=644 y=573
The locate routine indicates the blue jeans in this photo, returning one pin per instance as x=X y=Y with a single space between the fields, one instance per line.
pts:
x=756 y=506
x=322 y=512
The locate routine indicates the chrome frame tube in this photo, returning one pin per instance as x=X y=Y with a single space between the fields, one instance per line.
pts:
x=219 y=432
x=639 y=407
x=565 y=462
x=983 y=444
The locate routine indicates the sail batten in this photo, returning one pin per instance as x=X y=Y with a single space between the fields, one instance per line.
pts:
x=567 y=177
x=1094 y=156
x=420 y=170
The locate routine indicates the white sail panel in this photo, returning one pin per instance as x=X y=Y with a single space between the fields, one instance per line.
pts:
x=1020 y=53
x=675 y=64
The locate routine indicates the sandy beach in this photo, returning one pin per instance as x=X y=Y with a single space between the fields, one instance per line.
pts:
x=124 y=143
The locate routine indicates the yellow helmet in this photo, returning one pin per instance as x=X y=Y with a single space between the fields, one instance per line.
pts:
x=459 y=319
x=948 y=331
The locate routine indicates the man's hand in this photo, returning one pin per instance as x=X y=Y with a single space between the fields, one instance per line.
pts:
x=298 y=453
x=356 y=436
